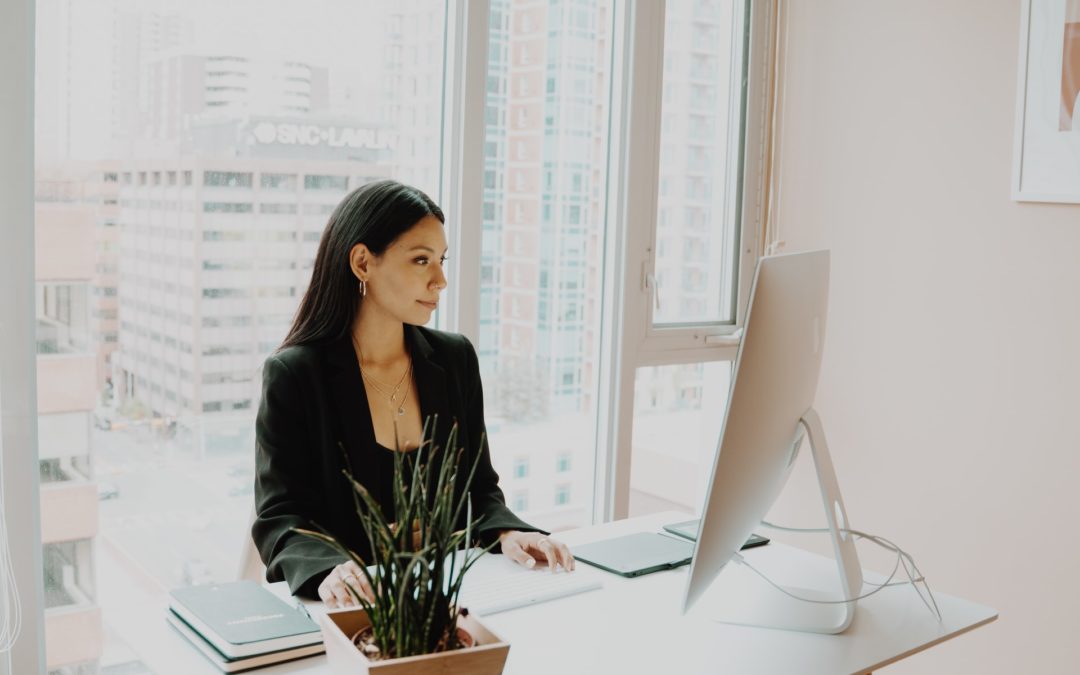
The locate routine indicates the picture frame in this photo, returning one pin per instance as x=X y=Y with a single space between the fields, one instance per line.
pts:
x=1046 y=150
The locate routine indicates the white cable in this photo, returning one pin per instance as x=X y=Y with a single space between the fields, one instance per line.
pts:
x=11 y=612
x=903 y=559
x=914 y=574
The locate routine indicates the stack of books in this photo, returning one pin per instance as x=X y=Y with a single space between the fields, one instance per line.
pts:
x=243 y=625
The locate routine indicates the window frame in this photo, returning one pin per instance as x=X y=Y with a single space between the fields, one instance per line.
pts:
x=627 y=335
x=19 y=465
x=635 y=161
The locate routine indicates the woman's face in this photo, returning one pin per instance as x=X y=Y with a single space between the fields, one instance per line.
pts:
x=405 y=281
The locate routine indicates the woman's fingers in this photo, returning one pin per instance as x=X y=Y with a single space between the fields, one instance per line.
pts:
x=360 y=586
x=556 y=553
x=566 y=558
x=337 y=585
x=354 y=576
x=513 y=550
x=326 y=595
x=547 y=549
x=337 y=589
x=527 y=548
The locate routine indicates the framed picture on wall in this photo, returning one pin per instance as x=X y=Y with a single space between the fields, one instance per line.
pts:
x=1046 y=158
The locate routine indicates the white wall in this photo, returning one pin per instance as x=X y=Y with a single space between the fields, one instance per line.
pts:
x=950 y=390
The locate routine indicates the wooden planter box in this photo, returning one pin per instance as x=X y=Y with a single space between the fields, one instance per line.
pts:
x=487 y=657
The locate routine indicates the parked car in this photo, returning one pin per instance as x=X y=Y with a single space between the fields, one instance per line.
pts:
x=107 y=490
x=102 y=420
x=107 y=420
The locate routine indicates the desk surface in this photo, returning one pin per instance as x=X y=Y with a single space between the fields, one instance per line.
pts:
x=634 y=625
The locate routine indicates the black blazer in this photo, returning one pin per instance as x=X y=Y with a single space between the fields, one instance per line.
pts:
x=313 y=405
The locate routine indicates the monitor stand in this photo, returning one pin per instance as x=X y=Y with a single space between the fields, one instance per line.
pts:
x=742 y=597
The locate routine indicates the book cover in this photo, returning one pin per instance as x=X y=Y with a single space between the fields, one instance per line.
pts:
x=230 y=665
x=243 y=618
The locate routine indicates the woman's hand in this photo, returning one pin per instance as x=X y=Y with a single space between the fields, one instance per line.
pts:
x=528 y=547
x=334 y=589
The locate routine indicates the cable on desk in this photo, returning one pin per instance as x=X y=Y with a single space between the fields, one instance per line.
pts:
x=903 y=559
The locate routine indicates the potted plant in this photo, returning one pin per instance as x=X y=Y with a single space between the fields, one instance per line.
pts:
x=416 y=571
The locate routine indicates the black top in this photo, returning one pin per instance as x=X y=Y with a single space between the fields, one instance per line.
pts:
x=314 y=406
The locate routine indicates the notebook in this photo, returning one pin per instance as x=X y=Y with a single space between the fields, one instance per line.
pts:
x=243 y=618
x=235 y=665
x=636 y=554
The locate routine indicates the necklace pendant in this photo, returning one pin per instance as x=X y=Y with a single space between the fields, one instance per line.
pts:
x=401 y=411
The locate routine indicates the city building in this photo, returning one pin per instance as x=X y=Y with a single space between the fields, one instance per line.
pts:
x=179 y=89
x=216 y=250
x=67 y=223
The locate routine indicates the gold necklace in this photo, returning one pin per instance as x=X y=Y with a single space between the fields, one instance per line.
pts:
x=391 y=397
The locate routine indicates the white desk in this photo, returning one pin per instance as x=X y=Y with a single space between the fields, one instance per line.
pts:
x=634 y=625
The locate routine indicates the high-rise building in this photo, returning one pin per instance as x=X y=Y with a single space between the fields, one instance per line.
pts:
x=412 y=89
x=541 y=263
x=216 y=251
x=543 y=213
x=693 y=254
x=87 y=97
x=181 y=89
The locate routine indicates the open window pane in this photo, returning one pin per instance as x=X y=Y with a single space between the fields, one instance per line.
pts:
x=188 y=156
x=696 y=230
x=545 y=181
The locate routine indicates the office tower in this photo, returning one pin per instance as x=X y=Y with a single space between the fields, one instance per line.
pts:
x=544 y=184
x=89 y=58
x=216 y=251
x=411 y=93
x=181 y=89
x=547 y=76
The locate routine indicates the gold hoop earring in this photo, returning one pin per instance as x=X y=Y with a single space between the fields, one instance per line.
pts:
x=363 y=288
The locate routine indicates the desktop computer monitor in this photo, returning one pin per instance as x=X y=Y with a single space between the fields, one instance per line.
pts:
x=772 y=390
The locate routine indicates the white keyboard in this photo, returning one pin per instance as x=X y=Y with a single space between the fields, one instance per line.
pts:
x=491 y=595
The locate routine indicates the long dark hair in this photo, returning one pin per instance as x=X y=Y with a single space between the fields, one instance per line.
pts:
x=374 y=215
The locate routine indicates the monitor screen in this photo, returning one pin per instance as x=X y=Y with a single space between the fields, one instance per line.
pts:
x=772 y=386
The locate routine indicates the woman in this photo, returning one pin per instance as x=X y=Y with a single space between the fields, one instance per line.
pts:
x=357 y=376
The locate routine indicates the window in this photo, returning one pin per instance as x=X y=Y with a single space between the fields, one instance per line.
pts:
x=151 y=334
x=678 y=410
x=63 y=318
x=278 y=181
x=544 y=407
x=226 y=179
x=694 y=148
x=562 y=495
x=215 y=237
x=278 y=208
x=69 y=574
x=326 y=183
x=521 y=468
x=226 y=207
